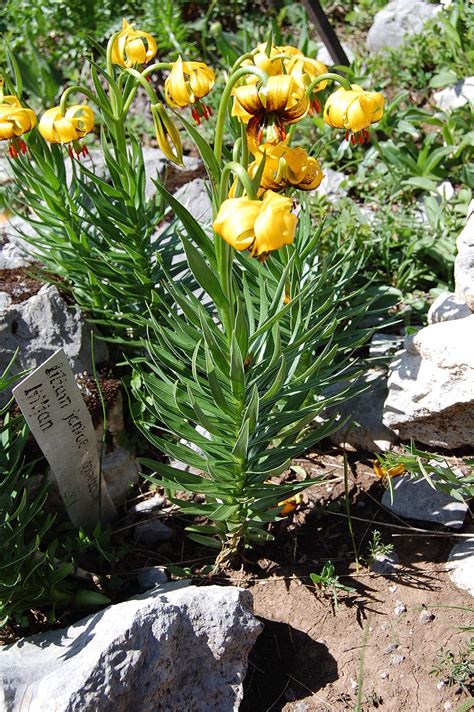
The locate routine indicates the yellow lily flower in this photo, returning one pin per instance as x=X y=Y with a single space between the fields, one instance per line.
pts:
x=15 y=120
x=390 y=472
x=286 y=166
x=354 y=110
x=167 y=134
x=262 y=225
x=131 y=47
x=269 y=107
x=188 y=83
x=304 y=70
x=289 y=505
x=77 y=121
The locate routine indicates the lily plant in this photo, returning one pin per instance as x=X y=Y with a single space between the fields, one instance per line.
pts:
x=240 y=352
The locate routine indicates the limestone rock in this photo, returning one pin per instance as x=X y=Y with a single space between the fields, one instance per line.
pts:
x=11 y=256
x=364 y=429
x=41 y=325
x=464 y=263
x=332 y=185
x=120 y=471
x=453 y=97
x=324 y=56
x=461 y=564
x=172 y=649
x=399 y=19
x=194 y=196
x=431 y=386
x=416 y=499
x=447 y=307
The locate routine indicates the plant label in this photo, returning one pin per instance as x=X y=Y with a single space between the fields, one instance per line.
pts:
x=55 y=411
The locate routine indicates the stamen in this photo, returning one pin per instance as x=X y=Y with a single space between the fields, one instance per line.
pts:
x=353 y=139
x=347 y=135
x=361 y=138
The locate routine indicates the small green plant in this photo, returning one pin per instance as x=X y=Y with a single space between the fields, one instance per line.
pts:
x=328 y=581
x=457 y=669
x=377 y=548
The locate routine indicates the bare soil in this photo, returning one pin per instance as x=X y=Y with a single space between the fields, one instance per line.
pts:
x=311 y=655
x=19 y=284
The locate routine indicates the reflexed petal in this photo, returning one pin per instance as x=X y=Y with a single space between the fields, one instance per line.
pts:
x=277 y=93
x=275 y=225
x=235 y=221
x=247 y=100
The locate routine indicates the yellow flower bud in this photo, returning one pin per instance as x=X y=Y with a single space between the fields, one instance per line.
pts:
x=262 y=225
x=77 y=121
x=188 y=82
x=131 y=47
x=167 y=134
x=354 y=110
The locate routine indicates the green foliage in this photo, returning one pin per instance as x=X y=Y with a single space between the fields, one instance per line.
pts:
x=435 y=470
x=377 y=547
x=457 y=669
x=240 y=409
x=328 y=581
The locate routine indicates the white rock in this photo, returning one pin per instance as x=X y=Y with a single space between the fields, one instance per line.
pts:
x=431 y=386
x=461 y=564
x=152 y=576
x=324 y=56
x=172 y=649
x=382 y=344
x=11 y=256
x=447 y=307
x=464 y=263
x=416 y=499
x=399 y=19
x=445 y=190
x=453 y=97
x=41 y=325
x=331 y=185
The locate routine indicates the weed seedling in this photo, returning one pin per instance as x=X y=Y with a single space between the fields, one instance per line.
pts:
x=328 y=581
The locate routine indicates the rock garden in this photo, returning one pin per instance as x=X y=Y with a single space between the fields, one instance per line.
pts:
x=236 y=356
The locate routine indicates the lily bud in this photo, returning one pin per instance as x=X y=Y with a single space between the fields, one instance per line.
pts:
x=167 y=134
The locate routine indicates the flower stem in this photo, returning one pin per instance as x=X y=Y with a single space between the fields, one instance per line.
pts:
x=331 y=76
x=226 y=94
x=77 y=88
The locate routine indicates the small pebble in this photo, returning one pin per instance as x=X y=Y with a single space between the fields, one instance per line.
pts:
x=148 y=505
x=151 y=577
x=152 y=532
x=384 y=675
x=399 y=608
x=440 y=684
x=390 y=648
x=397 y=659
x=426 y=616
x=385 y=564
x=392 y=589
x=353 y=684
x=447 y=706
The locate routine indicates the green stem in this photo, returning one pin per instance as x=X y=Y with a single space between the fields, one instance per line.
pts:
x=155 y=67
x=226 y=94
x=242 y=175
x=331 y=77
x=110 y=44
x=142 y=80
x=77 y=88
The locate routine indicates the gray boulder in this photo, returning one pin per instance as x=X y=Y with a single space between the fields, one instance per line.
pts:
x=41 y=325
x=454 y=97
x=416 y=499
x=431 y=386
x=399 y=19
x=447 y=307
x=464 y=264
x=363 y=416
x=194 y=196
x=171 y=649
x=461 y=564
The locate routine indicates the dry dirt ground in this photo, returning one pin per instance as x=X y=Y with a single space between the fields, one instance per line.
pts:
x=311 y=656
